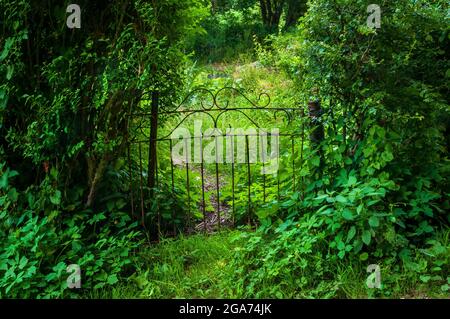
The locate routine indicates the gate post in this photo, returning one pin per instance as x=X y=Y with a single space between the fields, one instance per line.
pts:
x=152 y=143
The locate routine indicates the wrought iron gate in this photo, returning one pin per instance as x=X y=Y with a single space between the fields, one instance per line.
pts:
x=147 y=138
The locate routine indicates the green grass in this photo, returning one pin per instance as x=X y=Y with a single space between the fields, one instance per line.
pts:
x=199 y=266
x=186 y=267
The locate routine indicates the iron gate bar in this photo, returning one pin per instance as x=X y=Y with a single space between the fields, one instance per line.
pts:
x=232 y=182
x=221 y=110
x=130 y=173
x=188 y=187
x=293 y=165
x=227 y=135
x=140 y=185
x=232 y=191
x=223 y=135
x=152 y=166
x=217 y=182
x=173 y=187
x=301 y=157
x=249 y=180
x=158 y=211
x=203 y=187
x=278 y=187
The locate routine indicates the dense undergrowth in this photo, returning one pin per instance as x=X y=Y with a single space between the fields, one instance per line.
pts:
x=205 y=267
x=373 y=189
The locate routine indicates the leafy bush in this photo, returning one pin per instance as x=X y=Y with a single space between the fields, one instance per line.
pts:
x=39 y=241
x=381 y=195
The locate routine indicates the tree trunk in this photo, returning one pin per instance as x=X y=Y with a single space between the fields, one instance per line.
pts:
x=295 y=10
x=271 y=11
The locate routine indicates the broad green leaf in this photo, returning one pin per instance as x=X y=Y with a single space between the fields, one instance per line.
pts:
x=351 y=181
x=341 y=199
x=374 y=221
x=315 y=161
x=112 y=279
x=366 y=237
x=347 y=214
x=351 y=233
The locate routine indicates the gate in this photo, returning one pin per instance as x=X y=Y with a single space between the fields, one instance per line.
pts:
x=150 y=165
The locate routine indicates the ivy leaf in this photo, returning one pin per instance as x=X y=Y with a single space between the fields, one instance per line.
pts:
x=366 y=237
x=374 y=221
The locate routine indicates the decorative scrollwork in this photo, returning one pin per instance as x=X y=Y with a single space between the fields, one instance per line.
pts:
x=214 y=108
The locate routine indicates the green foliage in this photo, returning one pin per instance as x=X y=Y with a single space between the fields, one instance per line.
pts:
x=64 y=100
x=374 y=191
x=382 y=193
x=39 y=241
x=228 y=33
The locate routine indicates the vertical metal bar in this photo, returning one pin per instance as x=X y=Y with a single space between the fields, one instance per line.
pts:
x=131 y=179
x=217 y=183
x=232 y=188
x=264 y=183
x=263 y=160
x=188 y=184
x=202 y=168
x=141 y=185
x=293 y=164
x=301 y=156
x=173 y=188
x=158 y=211
x=249 y=180
x=278 y=185
x=278 y=176
x=156 y=173
x=152 y=142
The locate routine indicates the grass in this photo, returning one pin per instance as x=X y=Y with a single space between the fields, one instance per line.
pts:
x=198 y=266
x=186 y=267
